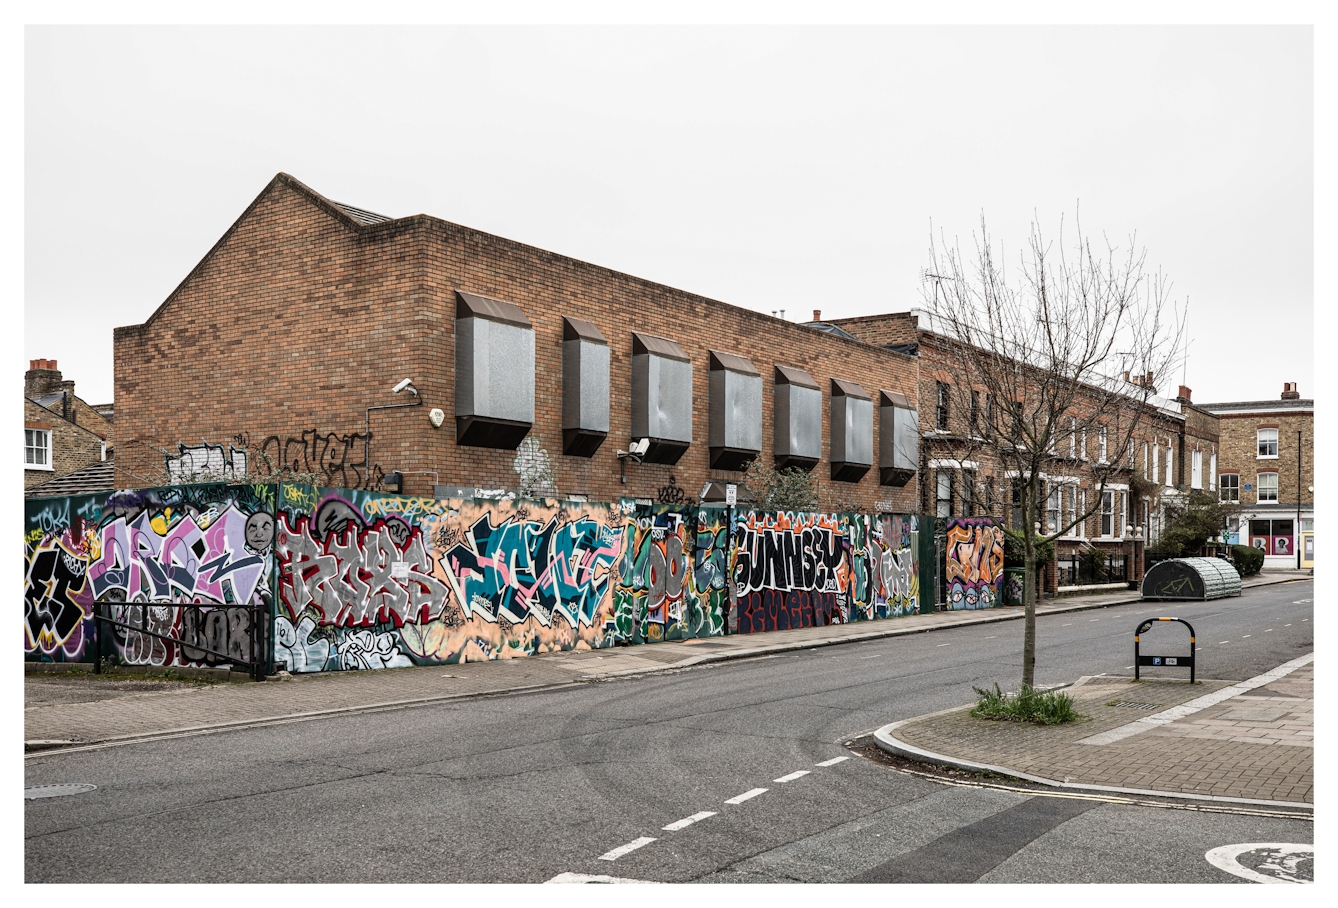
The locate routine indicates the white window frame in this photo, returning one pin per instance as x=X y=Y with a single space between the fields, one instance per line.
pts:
x=1170 y=466
x=1222 y=489
x=1107 y=529
x=1259 y=488
x=1073 y=437
x=1156 y=461
x=1259 y=442
x=45 y=435
x=1196 y=470
x=1147 y=471
x=1054 y=507
x=939 y=477
x=1101 y=443
x=1081 y=529
x=1082 y=454
x=1212 y=472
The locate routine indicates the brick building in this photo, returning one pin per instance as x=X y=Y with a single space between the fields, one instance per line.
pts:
x=961 y=477
x=308 y=312
x=62 y=433
x=1264 y=442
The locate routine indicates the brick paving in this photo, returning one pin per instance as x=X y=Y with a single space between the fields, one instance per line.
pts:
x=1256 y=746
x=222 y=705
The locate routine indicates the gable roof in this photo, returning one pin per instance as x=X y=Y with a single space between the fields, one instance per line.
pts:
x=350 y=216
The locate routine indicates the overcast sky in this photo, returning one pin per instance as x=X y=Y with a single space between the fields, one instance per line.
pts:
x=772 y=168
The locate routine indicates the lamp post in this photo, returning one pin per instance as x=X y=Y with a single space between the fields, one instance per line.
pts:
x=1296 y=540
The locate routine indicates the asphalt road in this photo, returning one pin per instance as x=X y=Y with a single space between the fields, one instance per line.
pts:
x=525 y=788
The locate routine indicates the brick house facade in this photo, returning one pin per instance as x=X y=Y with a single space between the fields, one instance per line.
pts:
x=1258 y=468
x=307 y=312
x=954 y=482
x=62 y=433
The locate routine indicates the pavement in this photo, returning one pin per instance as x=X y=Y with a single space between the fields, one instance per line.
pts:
x=70 y=712
x=1251 y=742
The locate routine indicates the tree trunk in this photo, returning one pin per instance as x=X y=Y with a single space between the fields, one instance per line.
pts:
x=1028 y=584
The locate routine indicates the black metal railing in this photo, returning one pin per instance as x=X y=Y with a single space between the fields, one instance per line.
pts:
x=255 y=662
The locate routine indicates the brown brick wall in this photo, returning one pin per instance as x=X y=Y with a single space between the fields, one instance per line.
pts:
x=880 y=330
x=1239 y=453
x=73 y=447
x=298 y=321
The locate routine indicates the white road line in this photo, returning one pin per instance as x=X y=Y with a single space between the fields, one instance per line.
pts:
x=1286 y=625
x=1198 y=648
x=1070 y=624
x=624 y=849
x=688 y=821
x=1245 y=636
x=1130 y=666
x=1269 y=631
x=794 y=775
x=992 y=637
x=594 y=878
x=874 y=656
x=832 y=762
x=1223 y=642
x=1096 y=619
x=747 y=795
x=945 y=644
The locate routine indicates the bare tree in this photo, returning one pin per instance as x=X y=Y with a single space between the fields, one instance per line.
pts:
x=1040 y=367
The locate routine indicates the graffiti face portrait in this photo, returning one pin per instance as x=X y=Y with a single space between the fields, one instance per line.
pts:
x=259 y=531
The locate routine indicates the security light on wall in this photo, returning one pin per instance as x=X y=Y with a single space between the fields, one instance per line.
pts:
x=407 y=384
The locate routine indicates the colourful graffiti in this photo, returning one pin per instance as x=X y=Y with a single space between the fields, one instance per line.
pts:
x=672 y=575
x=180 y=562
x=353 y=579
x=973 y=562
x=804 y=570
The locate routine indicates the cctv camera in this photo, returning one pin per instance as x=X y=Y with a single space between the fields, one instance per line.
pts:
x=639 y=448
x=407 y=383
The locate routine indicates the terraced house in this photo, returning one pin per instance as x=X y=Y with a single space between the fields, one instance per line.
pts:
x=1268 y=468
x=1171 y=450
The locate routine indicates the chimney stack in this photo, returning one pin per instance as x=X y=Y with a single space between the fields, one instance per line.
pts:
x=1289 y=391
x=41 y=378
x=1184 y=395
x=817 y=315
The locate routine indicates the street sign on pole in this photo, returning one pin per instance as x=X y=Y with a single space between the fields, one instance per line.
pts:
x=731 y=494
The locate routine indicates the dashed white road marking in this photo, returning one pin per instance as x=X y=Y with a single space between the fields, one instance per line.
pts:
x=624 y=849
x=832 y=762
x=594 y=878
x=992 y=637
x=874 y=656
x=1269 y=631
x=1246 y=635
x=1130 y=666
x=746 y=796
x=1070 y=624
x=1096 y=619
x=1223 y=642
x=688 y=821
x=797 y=774
x=1286 y=625
x=945 y=644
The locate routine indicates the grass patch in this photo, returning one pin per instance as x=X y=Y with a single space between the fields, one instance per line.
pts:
x=1027 y=705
